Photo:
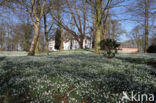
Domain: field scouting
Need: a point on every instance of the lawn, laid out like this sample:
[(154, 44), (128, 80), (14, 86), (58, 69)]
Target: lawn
[(74, 77)]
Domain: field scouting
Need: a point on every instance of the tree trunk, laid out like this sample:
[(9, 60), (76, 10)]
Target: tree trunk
[(1, 49), (47, 50), (37, 48), (71, 42), (97, 44), (2, 41), (46, 34), (98, 26), (81, 44), (35, 39), (93, 39), (113, 30), (94, 27), (146, 24), (61, 44), (26, 43), (94, 33), (104, 31), (60, 27), (81, 41)]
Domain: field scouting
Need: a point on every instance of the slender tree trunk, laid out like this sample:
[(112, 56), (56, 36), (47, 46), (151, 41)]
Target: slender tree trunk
[(35, 40), (61, 44), (71, 42), (81, 44), (2, 45), (81, 41), (60, 27), (26, 43), (94, 27), (106, 24), (47, 45), (46, 34), (113, 34), (146, 24), (93, 39), (104, 31), (138, 45), (37, 48), (93, 35)]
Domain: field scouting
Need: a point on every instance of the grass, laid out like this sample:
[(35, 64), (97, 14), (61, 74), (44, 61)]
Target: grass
[(12, 53), (77, 76)]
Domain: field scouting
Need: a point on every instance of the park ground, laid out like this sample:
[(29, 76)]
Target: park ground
[(77, 76)]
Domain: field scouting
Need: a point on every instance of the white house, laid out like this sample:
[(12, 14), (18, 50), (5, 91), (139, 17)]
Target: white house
[(87, 43), (51, 45)]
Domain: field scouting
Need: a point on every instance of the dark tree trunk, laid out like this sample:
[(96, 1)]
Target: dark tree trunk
[(81, 41), (61, 44), (146, 24), (81, 45), (46, 34), (93, 38)]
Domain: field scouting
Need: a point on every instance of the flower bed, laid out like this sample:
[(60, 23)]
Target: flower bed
[(75, 78)]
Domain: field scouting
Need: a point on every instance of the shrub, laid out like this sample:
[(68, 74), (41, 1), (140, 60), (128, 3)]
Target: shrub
[(110, 46), (151, 49)]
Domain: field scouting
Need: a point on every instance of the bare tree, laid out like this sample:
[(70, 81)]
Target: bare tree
[(24, 28), (100, 9), (25, 32), (136, 36), (115, 30), (142, 11), (35, 8), (79, 16), (58, 11)]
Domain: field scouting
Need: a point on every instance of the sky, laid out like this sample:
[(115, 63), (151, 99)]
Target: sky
[(122, 15), (128, 25), (120, 12)]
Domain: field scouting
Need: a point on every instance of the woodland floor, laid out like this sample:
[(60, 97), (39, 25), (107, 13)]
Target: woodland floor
[(77, 76)]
